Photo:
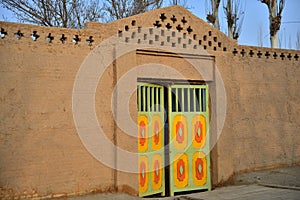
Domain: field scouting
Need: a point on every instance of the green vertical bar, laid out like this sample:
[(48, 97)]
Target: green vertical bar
[(152, 99), (194, 92), (144, 98), (159, 96), (200, 99), (148, 95), (208, 140), (207, 99), (157, 107), (149, 98), (182, 100), (162, 99), (139, 98), (189, 99), (171, 176), (160, 89), (176, 99)]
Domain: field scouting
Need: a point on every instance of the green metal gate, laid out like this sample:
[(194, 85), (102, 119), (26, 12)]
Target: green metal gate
[(188, 137), (151, 139)]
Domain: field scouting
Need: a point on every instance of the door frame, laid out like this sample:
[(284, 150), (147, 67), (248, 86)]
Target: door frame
[(167, 83)]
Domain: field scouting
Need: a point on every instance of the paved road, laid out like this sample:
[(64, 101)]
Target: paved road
[(289, 176), (272, 184), (105, 197), (253, 192)]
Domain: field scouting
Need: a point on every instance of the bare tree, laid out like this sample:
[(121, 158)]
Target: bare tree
[(141, 6), (60, 13), (212, 10), (178, 3), (275, 12), (280, 38), (260, 36), (298, 41), (4, 18), (290, 42), (118, 9), (234, 14)]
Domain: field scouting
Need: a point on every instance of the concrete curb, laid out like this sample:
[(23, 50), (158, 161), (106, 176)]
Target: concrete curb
[(280, 186)]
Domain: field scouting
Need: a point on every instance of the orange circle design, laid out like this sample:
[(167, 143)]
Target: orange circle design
[(199, 131), (199, 169), (181, 170), (157, 132), (179, 132), (142, 133), (157, 172), (143, 174)]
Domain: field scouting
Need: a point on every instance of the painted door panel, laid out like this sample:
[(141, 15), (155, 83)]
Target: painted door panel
[(189, 141), (151, 139)]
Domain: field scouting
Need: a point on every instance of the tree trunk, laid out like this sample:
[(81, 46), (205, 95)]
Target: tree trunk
[(229, 21), (298, 41), (272, 19), (215, 9), (274, 40), (273, 31)]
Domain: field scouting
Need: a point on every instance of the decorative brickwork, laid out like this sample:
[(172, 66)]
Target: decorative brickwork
[(41, 154)]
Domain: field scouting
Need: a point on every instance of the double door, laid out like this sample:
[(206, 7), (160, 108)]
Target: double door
[(173, 138)]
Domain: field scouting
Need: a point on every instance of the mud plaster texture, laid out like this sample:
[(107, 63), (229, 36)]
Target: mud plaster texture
[(41, 154)]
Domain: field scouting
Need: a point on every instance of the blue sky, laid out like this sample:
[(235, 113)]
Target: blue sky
[(256, 16)]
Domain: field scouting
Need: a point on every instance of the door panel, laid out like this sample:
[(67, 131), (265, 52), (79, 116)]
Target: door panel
[(189, 141), (151, 139)]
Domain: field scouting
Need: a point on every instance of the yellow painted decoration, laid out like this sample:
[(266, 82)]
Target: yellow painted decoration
[(157, 132), (179, 132), (198, 131), (157, 172), (143, 173), (199, 169), (142, 133), (181, 170)]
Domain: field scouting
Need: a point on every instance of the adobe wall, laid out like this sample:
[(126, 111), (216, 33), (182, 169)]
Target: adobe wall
[(41, 153), (262, 107)]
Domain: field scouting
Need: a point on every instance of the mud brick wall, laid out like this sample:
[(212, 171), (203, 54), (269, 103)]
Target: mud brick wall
[(41, 154)]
